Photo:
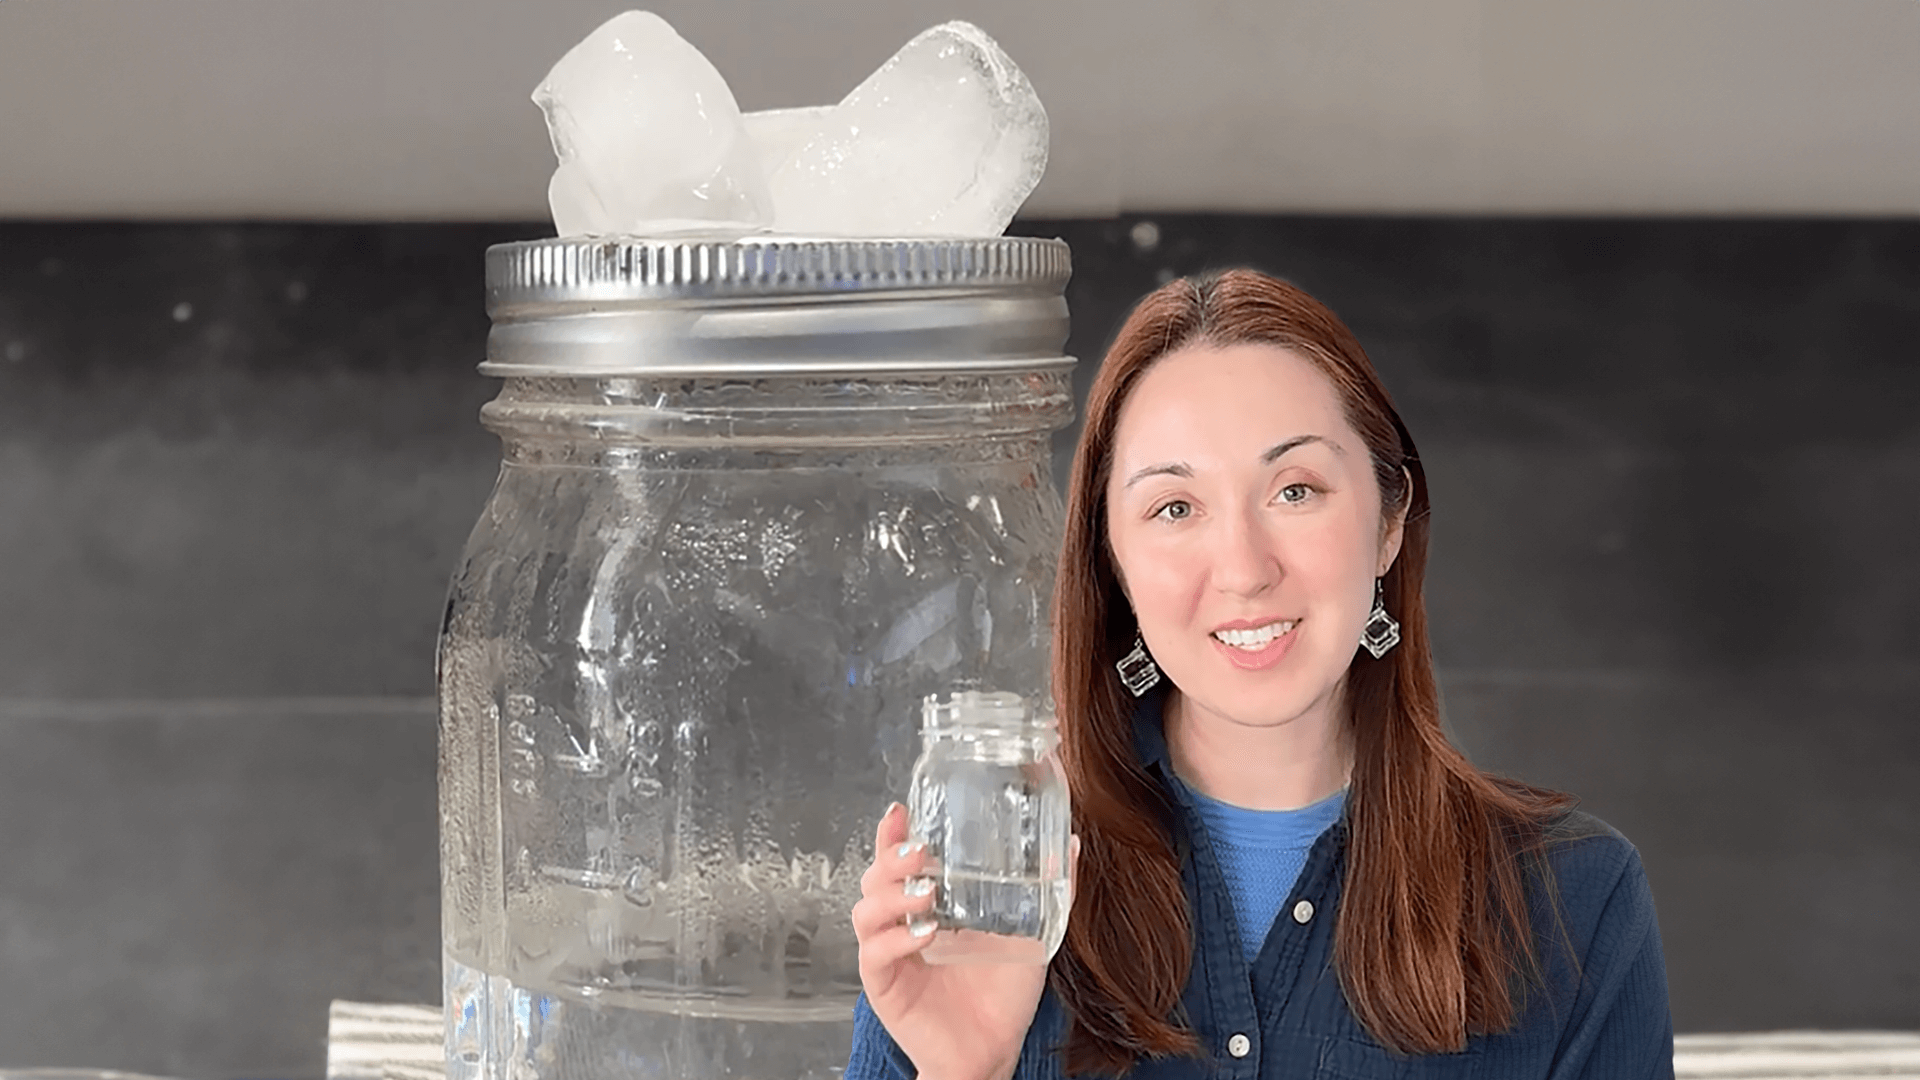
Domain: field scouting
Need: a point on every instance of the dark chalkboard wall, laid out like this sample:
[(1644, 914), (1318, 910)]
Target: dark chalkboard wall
[(1676, 479)]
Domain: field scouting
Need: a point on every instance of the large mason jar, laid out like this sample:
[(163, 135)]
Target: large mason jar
[(758, 499)]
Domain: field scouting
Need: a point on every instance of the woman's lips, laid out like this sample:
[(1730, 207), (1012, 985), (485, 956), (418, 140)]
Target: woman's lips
[(1257, 659)]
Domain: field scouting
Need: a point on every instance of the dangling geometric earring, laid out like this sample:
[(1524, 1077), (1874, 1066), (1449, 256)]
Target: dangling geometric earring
[(1138, 672), (1381, 632)]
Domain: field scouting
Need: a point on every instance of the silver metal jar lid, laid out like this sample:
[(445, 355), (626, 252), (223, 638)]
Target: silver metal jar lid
[(596, 306)]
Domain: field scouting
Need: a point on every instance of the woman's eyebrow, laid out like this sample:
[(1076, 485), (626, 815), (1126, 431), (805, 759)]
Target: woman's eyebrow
[(1169, 468), (1273, 454), (1278, 451)]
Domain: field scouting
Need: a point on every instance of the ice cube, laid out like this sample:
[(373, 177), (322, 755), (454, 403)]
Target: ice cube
[(778, 134), (576, 209), (947, 138), (645, 128)]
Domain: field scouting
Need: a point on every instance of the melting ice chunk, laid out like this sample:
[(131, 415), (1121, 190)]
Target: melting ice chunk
[(947, 138), (778, 134), (649, 138), (576, 208)]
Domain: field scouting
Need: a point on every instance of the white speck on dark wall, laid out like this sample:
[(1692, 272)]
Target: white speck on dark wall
[(182, 311)]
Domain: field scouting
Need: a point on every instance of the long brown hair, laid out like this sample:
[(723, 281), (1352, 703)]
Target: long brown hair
[(1432, 941)]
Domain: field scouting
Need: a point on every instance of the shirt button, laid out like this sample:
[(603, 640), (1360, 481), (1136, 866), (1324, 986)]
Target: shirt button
[(1302, 912), (1239, 1045)]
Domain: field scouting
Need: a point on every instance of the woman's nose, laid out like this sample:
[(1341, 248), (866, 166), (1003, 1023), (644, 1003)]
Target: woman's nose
[(1246, 560)]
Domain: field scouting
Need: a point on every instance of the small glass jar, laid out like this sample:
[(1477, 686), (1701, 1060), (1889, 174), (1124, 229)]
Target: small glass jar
[(989, 800)]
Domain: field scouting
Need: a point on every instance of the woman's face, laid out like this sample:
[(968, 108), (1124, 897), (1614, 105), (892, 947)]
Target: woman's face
[(1246, 527)]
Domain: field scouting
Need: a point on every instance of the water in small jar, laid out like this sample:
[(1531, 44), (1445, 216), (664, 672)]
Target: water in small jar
[(990, 801)]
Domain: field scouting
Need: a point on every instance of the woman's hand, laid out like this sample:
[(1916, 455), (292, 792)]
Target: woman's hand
[(958, 1022)]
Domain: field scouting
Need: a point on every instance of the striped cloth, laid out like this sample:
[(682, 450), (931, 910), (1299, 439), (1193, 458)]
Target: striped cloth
[(404, 1042), (385, 1042), (1797, 1055)]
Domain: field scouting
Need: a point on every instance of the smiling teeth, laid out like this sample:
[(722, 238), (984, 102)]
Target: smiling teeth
[(1257, 638)]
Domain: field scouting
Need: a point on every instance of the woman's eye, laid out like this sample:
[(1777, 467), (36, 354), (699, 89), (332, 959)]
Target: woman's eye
[(1176, 510), (1295, 494)]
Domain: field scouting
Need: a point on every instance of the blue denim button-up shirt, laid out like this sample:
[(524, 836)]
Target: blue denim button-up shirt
[(1285, 1016)]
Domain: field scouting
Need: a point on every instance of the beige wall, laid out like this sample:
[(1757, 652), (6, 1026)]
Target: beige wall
[(417, 109)]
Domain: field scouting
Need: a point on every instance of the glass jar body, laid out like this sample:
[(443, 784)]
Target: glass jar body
[(990, 802), (680, 675)]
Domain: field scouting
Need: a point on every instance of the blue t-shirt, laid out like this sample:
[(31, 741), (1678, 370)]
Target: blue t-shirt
[(1601, 1015), (1261, 854)]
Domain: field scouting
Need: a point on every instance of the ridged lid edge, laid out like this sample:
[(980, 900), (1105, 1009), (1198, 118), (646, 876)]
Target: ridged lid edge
[(623, 267)]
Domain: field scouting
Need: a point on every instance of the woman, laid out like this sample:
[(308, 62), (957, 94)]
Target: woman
[(1285, 870)]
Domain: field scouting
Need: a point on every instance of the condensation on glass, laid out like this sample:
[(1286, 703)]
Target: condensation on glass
[(989, 801), (757, 501)]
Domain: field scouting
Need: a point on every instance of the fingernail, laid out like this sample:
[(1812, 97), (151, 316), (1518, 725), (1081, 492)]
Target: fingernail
[(919, 886), (891, 807), (921, 927), (910, 847)]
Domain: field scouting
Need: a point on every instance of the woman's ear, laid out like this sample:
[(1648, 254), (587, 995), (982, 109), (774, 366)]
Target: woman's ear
[(1393, 531)]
